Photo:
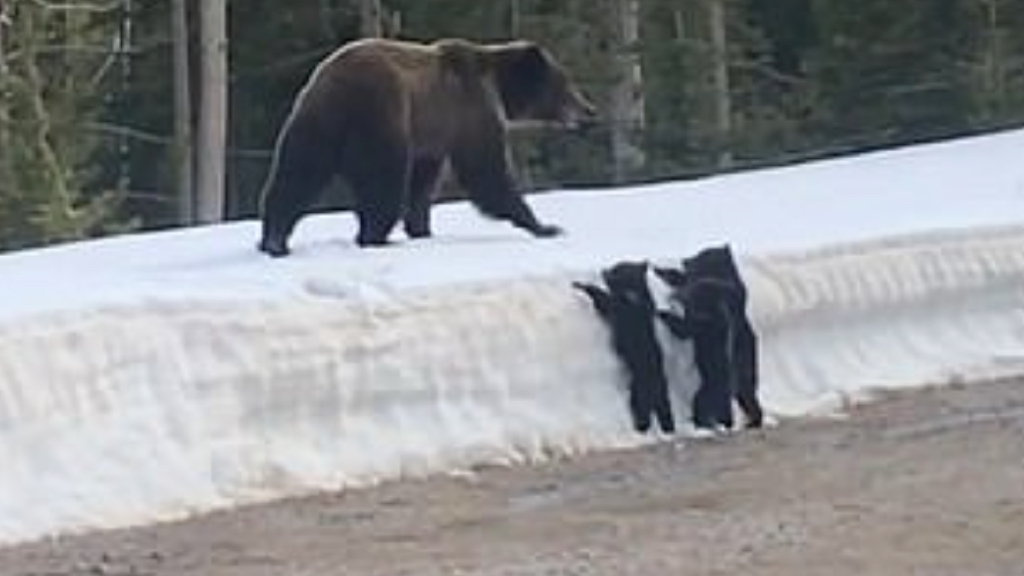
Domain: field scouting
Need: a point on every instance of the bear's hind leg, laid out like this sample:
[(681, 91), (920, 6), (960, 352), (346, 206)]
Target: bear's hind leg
[(422, 183), (639, 406), (296, 179), (663, 408), (375, 225), (712, 405), (751, 406), (747, 375), (702, 411), (378, 172)]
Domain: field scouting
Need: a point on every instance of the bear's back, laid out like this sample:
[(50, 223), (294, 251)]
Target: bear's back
[(372, 64), (412, 80)]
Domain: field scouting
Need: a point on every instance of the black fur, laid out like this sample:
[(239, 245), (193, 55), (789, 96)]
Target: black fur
[(714, 298), (708, 323), (628, 309)]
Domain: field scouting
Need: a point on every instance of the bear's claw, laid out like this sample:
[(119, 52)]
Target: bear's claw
[(547, 231)]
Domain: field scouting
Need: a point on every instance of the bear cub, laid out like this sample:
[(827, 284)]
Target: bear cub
[(714, 301), (628, 309), (387, 115)]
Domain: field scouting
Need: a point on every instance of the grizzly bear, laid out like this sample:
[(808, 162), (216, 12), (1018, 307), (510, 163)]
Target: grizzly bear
[(386, 115), (714, 299), (628, 309)]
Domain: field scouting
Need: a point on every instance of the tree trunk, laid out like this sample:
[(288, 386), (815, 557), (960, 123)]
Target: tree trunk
[(4, 22), (182, 153), (5, 126), (213, 110), (720, 73), (627, 97), (514, 18), (370, 18), (125, 48), (994, 84)]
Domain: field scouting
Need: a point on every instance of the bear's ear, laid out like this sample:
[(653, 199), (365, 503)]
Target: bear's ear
[(523, 62), (532, 63)]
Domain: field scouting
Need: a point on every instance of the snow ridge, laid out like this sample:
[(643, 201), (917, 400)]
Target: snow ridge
[(138, 413)]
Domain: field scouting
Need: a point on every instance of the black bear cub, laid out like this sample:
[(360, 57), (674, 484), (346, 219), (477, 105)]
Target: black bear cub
[(628, 309), (714, 300)]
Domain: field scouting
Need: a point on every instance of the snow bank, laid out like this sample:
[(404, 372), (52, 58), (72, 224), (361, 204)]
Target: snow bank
[(925, 309), (127, 415), (131, 414)]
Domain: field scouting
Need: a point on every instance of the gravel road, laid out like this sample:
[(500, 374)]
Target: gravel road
[(928, 482)]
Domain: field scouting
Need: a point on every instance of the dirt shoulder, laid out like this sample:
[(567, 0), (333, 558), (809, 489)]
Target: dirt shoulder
[(928, 482)]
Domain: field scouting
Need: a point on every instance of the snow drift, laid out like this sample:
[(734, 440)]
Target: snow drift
[(177, 376)]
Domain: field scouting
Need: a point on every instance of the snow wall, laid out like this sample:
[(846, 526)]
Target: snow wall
[(125, 416)]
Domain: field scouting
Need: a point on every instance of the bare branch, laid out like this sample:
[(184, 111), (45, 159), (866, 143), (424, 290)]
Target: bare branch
[(134, 133), (83, 6)]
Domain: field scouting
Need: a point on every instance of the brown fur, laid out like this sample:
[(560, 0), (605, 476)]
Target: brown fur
[(386, 115)]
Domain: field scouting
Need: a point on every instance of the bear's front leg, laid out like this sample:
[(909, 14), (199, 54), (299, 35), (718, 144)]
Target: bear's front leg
[(378, 170), (480, 163), (422, 183)]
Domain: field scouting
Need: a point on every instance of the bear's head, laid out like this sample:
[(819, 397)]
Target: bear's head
[(716, 262), (628, 281), (534, 87), (713, 262)]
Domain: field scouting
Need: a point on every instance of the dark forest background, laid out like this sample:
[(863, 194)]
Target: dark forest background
[(88, 141)]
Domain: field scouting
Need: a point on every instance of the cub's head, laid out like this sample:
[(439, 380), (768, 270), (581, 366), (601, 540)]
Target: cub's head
[(717, 263), (535, 87), (713, 262), (628, 282)]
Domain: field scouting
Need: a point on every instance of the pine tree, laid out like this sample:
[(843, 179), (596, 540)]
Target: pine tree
[(49, 102), (888, 73)]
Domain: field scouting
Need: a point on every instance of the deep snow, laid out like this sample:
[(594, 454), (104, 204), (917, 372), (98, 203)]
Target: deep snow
[(156, 375)]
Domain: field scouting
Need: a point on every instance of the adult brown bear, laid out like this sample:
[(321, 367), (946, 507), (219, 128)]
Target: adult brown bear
[(385, 115)]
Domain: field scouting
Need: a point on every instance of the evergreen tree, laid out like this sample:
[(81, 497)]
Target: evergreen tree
[(86, 116), (995, 69), (50, 100), (887, 73)]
